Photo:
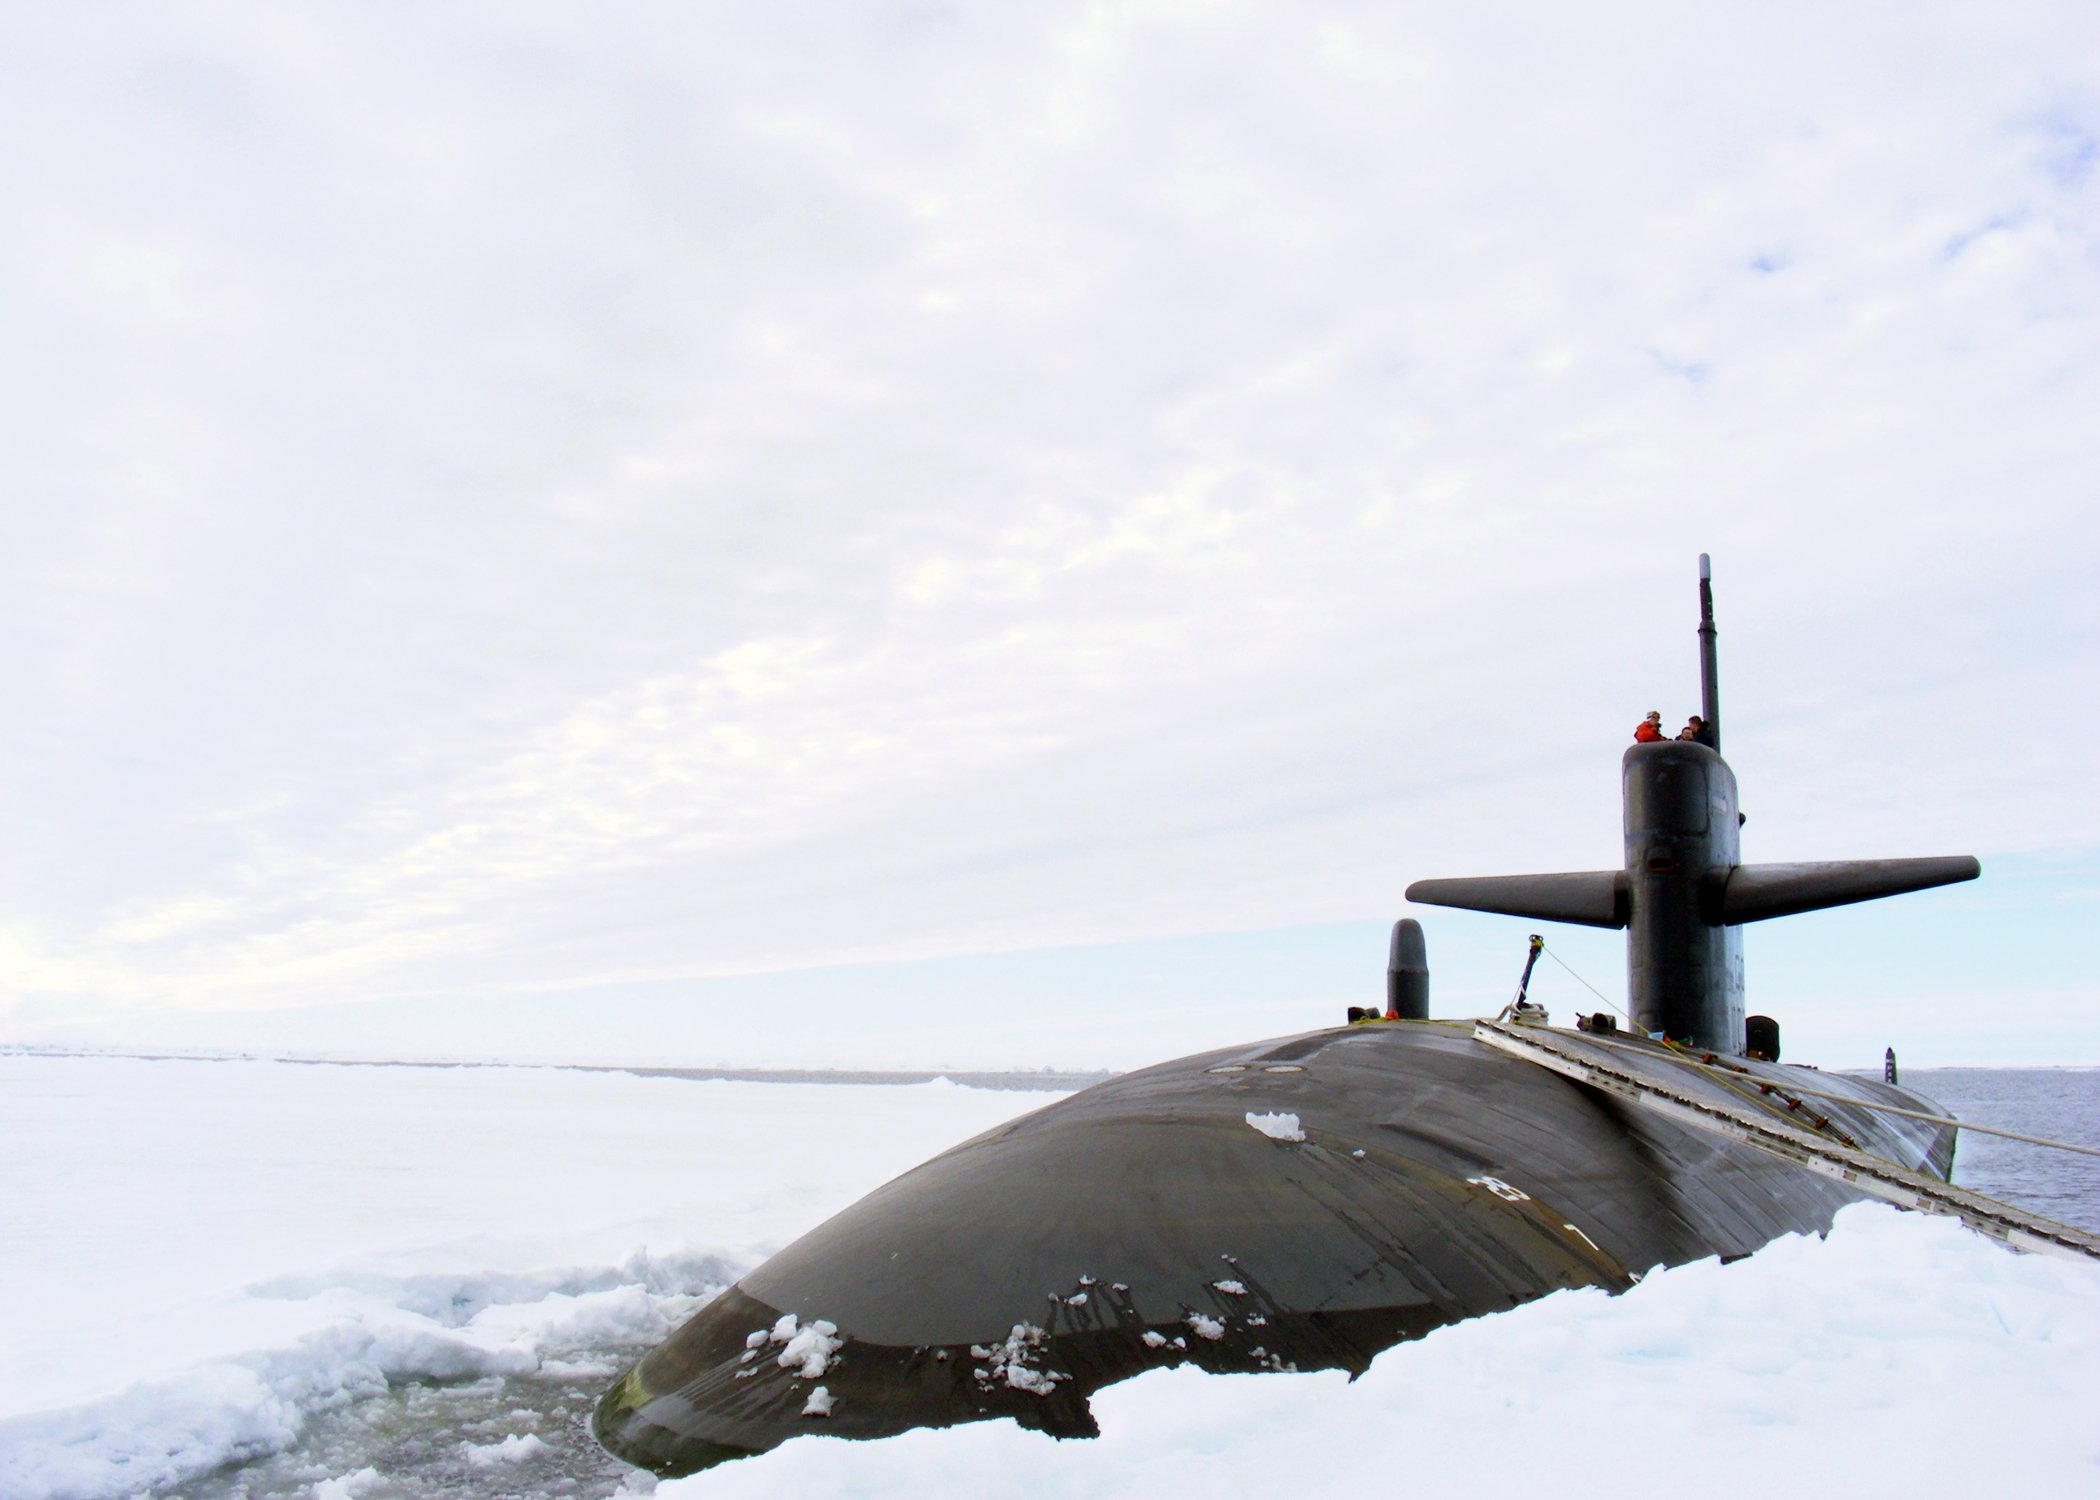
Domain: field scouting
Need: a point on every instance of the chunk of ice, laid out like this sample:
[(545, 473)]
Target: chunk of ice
[(813, 1349), (1014, 1362), (1277, 1126), (347, 1486), (513, 1449), (1021, 1378)]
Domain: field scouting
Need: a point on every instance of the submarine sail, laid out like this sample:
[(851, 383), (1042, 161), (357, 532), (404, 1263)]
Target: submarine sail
[(1307, 1201)]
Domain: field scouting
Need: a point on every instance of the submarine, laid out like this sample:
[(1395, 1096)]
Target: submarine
[(1307, 1201)]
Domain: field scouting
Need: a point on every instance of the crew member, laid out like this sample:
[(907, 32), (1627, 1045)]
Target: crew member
[(1694, 729), (1650, 729)]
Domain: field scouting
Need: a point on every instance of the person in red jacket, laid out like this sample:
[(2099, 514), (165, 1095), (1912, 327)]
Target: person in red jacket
[(1650, 729)]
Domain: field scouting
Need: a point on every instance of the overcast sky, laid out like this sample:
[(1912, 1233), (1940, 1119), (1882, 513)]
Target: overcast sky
[(964, 533)]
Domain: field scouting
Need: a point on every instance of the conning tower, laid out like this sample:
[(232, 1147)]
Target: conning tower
[(1683, 895)]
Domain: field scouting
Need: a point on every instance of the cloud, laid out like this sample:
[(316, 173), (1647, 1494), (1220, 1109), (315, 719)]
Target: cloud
[(509, 498)]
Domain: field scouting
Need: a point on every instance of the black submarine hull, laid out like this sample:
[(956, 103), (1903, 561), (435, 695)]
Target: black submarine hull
[(1301, 1203)]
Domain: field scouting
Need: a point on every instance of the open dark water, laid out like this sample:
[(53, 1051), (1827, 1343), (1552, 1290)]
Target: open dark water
[(418, 1436), (2060, 1103)]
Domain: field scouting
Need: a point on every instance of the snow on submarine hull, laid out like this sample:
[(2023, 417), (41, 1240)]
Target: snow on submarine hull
[(1306, 1202), (1145, 1222)]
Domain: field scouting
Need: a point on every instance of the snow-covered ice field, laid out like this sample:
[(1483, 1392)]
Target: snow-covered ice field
[(200, 1255), (382, 1282)]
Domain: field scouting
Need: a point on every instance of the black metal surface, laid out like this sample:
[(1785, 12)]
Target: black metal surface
[(1407, 973), (1709, 661), (1753, 893), (1684, 974), (1589, 898), (1106, 1234)]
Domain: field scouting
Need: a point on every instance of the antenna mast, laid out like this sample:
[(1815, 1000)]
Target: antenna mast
[(1709, 667)]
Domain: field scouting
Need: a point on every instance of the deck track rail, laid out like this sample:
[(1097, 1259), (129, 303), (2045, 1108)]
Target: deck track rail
[(1709, 1109)]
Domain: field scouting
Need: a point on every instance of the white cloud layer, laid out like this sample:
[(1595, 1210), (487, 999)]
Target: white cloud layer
[(503, 499)]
